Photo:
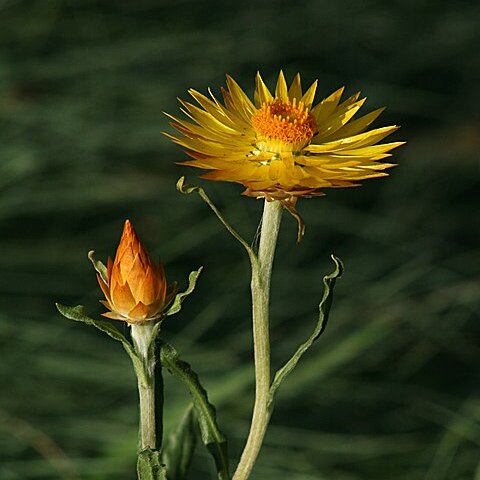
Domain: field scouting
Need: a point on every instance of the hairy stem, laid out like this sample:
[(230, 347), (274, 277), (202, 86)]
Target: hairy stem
[(142, 336), (260, 286)]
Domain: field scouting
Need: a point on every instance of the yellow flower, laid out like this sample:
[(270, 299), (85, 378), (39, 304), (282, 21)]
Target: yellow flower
[(281, 146), (136, 290)]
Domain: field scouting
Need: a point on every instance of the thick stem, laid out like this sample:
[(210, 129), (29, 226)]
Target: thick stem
[(260, 286), (142, 336), (148, 438)]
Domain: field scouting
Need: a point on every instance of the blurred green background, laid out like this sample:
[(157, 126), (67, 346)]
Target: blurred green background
[(391, 392)]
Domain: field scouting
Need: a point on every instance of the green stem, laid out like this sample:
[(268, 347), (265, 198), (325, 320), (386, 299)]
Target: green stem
[(159, 398), (260, 286), (142, 335)]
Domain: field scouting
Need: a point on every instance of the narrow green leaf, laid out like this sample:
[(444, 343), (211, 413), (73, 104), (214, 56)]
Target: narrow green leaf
[(211, 435), (179, 447), (100, 268), (177, 302), (188, 189), (149, 466), (78, 314), (324, 309)]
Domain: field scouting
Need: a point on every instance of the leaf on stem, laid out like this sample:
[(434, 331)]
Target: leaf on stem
[(324, 309), (78, 314), (100, 268), (179, 447), (211, 435), (187, 189), (177, 302), (174, 308), (150, 467)]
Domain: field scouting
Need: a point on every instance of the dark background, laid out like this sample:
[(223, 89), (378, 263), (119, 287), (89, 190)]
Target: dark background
[(391, 392)]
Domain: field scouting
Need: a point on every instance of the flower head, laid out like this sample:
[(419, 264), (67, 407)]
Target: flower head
[(281, 146), (135, 288)]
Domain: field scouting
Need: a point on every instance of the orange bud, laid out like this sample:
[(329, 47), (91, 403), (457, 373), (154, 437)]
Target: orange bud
[(136, 291)]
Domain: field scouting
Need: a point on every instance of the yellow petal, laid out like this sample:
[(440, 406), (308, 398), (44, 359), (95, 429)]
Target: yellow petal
[(373, 149), (275, 169), (281, 90), (295, 90), (356, 126), (339, 118), (362, 139), (206, 119), (307, 99), (214, 108), (240, 99), (350, 100), (327, 106), (262, 93)]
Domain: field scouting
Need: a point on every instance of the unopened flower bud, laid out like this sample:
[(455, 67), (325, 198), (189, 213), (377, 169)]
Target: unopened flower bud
[(136, 290)]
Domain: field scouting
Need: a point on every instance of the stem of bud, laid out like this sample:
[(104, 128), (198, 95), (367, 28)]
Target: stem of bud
[(142, 335)]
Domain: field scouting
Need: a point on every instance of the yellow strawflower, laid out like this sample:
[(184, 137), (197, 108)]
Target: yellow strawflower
[(280, 146)]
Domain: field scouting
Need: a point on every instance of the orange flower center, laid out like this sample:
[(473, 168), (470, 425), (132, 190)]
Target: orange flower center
[(283, 126)]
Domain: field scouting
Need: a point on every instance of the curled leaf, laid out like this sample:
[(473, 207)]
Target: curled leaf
[(185, 189), (177, 302), (324, 310)]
